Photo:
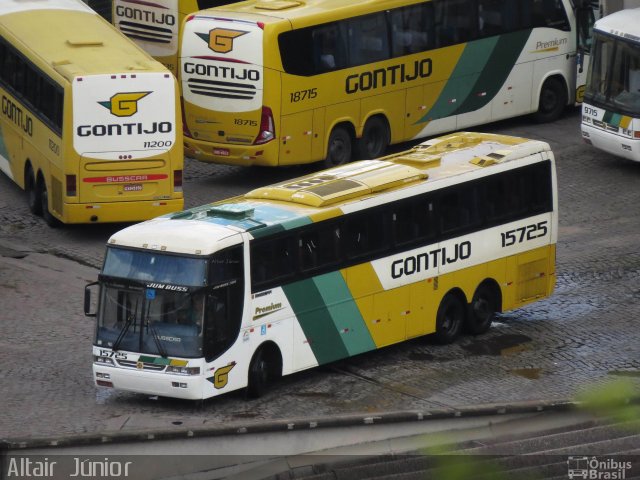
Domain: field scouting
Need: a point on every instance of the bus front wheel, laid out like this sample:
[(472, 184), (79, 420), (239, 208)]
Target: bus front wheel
[(553, 99), (258, 375), (449, 319), (339, 148), (33, 193), (375, 138)]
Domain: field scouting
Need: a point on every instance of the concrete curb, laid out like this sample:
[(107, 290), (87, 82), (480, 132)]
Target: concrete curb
[(285, 425)]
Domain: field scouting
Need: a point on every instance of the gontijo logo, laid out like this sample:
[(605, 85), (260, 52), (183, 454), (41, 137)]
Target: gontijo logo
[(220, 40), (124, 104)]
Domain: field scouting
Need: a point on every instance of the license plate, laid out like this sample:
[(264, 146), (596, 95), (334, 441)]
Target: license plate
[(133, 187), (223, 152)]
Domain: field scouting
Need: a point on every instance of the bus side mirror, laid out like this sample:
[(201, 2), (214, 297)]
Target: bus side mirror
[(87, 300)]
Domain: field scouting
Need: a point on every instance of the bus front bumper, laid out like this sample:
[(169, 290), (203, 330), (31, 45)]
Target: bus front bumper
[(119, 211), (615, 144), (149, 383)]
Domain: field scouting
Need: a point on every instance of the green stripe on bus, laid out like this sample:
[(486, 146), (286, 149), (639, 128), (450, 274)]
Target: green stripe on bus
[(345, 313), (481, 71), (504, 51), (315, 321)]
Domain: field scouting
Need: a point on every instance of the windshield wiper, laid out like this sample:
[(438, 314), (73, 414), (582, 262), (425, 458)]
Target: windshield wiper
[(127, 324), (154, 334)]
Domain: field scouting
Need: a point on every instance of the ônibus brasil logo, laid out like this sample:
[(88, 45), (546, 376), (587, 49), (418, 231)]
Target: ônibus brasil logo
[(124, 104), (220, 40)]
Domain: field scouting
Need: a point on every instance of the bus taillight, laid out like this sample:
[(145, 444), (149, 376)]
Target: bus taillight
[(267, 127), (71, 186), (177, 180)]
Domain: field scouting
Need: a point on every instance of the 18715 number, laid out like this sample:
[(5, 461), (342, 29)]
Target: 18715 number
[(303, 95)]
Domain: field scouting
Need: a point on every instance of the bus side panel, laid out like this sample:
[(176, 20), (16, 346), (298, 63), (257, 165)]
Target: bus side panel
[(386, 104), (530, 276), (295, 137)]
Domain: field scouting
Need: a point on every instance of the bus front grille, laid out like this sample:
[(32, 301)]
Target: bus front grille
[(145, 366)]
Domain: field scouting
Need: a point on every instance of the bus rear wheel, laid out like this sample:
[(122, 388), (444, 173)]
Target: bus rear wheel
[(50, 220), (553, 99), (339, 148), (33, 193), (375, 139), (482, 309), (449, 319)]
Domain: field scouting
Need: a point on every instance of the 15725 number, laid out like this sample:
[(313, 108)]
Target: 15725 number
[(519, 235)]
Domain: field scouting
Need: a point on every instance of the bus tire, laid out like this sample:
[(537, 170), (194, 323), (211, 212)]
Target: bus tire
[(338, 148), (449, 319), (50, 220), (375, 138), (33, 193), (482, 309), (553, 99), (259, 377)]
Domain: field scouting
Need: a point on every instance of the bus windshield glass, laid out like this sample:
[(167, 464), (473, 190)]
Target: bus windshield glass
[(151, 321), (155, 267), (614, 80)]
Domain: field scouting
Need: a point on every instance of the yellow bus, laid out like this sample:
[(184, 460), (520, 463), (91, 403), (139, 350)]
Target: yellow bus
[(154, 24), (268, 82), (90, 124), (234, 294)]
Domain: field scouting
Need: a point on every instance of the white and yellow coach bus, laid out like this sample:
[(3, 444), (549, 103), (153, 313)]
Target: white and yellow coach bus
[(283, 82), (155, 24), (90, 124), (236, 293)]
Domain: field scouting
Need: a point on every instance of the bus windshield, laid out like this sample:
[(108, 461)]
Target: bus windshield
[(614, 79), (151, 321), (158, 309)]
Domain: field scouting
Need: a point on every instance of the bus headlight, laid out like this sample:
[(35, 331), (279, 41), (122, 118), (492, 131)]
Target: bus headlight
[(103, 360), (183, 370)]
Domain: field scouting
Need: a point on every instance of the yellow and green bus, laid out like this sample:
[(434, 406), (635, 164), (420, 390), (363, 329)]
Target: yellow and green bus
[(286, 82), (90, 125), (234, 294), (154, 24)]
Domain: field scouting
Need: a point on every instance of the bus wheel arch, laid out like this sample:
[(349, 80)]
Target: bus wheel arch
[(31, 188), (552, 99), (451, 316), (340, 145), (486, 301), (264, 368), (376, 136)]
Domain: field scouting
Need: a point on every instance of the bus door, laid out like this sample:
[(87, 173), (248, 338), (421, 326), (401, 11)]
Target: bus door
[(123, 129)]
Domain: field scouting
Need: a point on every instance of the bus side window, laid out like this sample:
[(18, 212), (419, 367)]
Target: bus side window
[(411, 29), (368, 39), (366, 234), (413, 222), (271, 261), (319, 247), (458, 210)]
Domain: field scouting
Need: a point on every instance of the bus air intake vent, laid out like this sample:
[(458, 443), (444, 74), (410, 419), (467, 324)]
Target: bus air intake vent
[(213, 88), (146, 33), (230, 210)]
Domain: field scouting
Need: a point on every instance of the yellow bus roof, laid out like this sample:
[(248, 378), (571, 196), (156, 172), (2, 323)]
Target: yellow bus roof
[(73, 41), (306, 12), (329, 193)]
